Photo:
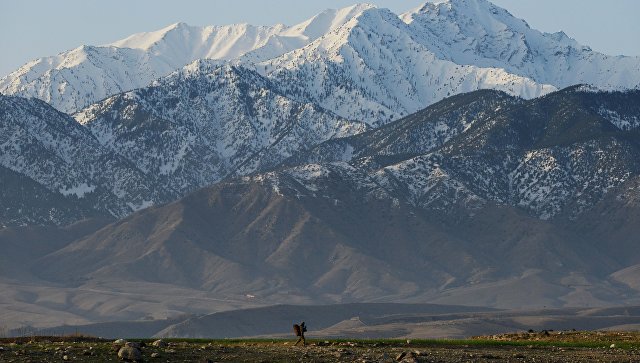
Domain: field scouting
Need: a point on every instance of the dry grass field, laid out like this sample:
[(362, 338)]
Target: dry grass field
[(544, 346)]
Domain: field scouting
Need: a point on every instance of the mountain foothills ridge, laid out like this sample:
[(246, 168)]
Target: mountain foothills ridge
[(447, 155)]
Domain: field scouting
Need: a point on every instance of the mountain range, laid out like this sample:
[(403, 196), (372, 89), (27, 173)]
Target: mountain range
[(396, 64), (448, 155), (467, 200)]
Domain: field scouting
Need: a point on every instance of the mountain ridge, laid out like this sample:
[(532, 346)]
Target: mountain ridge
[(77, 78), (534, 64), (214, 121), (53, 150)]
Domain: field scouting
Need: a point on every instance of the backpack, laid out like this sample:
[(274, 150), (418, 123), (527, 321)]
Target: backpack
[(297, 330)]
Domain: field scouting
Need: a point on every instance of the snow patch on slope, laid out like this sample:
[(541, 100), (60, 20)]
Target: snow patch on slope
[(78, 190)]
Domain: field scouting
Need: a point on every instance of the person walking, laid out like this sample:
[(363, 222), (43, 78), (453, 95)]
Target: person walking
[(300, 330)]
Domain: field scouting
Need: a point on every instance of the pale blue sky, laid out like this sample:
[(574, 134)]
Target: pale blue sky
[(36, 28)]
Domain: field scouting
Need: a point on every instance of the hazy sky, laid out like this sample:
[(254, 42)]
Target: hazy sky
[(35, 28)]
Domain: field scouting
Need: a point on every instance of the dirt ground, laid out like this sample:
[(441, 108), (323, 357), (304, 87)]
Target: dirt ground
[(522, 347)]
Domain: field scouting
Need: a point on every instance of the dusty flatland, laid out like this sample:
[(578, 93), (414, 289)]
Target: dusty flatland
[(566, 346)]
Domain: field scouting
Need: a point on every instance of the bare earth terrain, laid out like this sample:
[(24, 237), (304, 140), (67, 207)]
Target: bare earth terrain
[(544, 346)]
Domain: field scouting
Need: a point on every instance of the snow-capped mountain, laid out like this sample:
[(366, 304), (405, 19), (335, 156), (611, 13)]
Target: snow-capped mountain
[(77, 78), (375, 61), (209, 121), (476, 32), (391, 65), (555, 157), (61, 159), (180, 43)]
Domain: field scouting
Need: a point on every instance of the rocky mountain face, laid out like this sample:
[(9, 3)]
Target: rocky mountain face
[(392, 65), (61, 171), (554, 156), (25, 202), (207, 122)]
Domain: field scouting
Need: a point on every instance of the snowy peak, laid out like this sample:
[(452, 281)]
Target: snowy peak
[(181, 40), (145, 40), (363, 20), (236, 40), (476, 32), (74, 79), (470, 28), (563, 39), (328, 20), (377, 62), (484, 12)]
